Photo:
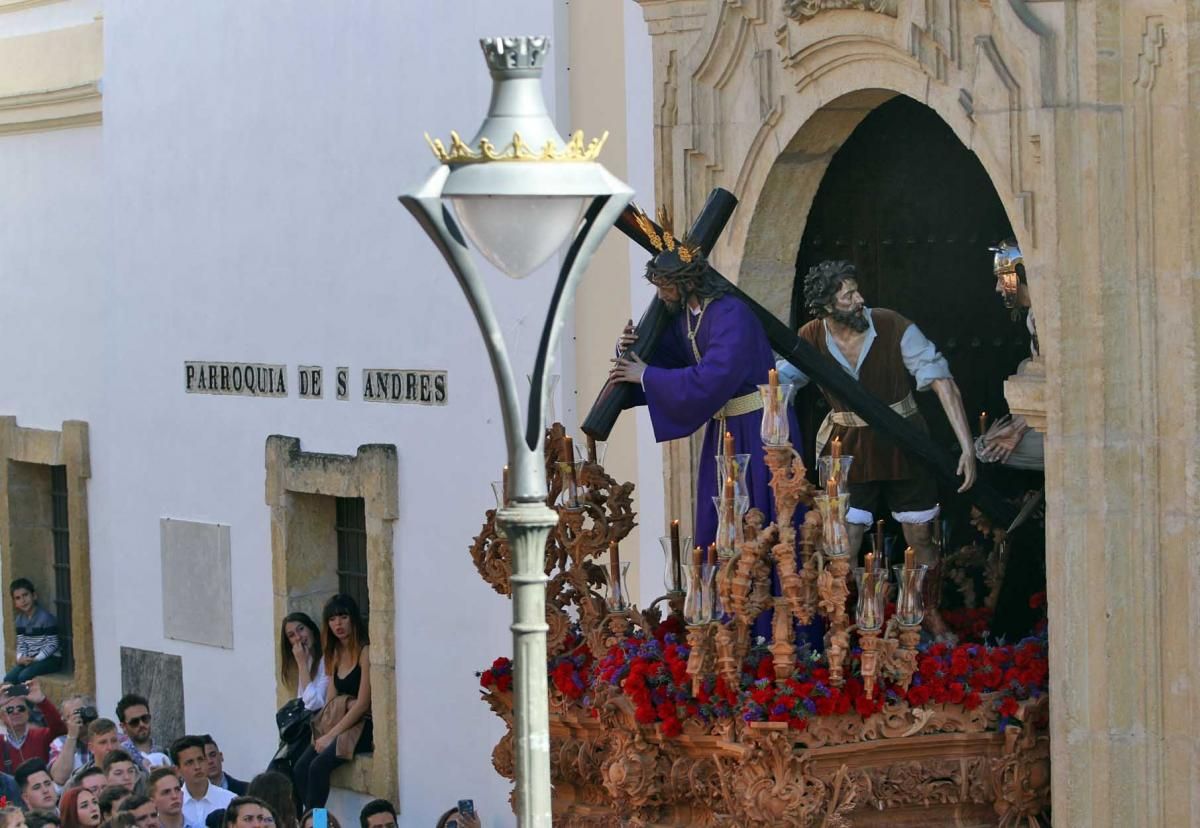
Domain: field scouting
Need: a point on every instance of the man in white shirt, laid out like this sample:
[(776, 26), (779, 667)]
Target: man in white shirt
[(200, 796)]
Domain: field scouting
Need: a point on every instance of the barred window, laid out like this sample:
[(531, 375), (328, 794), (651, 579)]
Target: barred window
[(351, 526), (60, 528)]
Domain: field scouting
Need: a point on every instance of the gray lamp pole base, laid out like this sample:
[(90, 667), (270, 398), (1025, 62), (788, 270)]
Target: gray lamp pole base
[(527, 526)]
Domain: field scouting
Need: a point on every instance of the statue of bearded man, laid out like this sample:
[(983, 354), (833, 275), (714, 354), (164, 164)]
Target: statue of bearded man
[(889, 356), (704, 373)]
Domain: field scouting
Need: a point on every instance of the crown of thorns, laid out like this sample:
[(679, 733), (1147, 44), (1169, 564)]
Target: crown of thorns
[(666, 243)]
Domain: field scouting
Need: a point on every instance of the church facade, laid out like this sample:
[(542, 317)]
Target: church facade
[(1083, 116)]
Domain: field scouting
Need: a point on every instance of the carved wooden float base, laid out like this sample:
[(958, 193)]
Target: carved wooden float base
[(612, 772)]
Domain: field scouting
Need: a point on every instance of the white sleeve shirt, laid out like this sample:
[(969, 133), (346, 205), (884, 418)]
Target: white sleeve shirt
[(920, 357), (195, 811), (313, 693)]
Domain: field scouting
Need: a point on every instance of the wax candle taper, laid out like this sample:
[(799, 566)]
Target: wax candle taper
[(504, 483), (591, 449), (831, 488), (909, 558), (677, 574), (728, 444), (698, 556), (712, 554), (835, 448), (982, 422), (568, 449), (879, 541), (614, 567)]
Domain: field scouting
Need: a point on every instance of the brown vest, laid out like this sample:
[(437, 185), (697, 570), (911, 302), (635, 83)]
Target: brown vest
[(884, 376)]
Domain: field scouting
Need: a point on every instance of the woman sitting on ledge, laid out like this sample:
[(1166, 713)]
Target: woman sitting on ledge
[(303, 665), (343, 727)]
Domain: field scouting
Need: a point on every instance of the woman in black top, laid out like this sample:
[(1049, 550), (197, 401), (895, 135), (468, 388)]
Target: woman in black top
[(343, 727)]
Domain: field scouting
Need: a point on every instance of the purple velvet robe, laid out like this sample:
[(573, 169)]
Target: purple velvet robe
[(683, 395)]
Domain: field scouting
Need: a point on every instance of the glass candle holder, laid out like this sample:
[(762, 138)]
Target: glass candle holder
[(618, 588), (716, 607), (581, 450), (697, 604), (730, 532), (872, 597), (501, 499), (910, 601), (833, 525), (775, 429), (734, 466), (569, 496), (838, 467), (675, 572)]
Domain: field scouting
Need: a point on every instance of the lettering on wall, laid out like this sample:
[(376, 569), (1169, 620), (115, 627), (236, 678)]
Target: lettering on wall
[(243, 379), (260, 379), (404, 386), (309, 382)]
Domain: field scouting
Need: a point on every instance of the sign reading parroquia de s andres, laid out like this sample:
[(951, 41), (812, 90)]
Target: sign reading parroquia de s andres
[(264, 379)]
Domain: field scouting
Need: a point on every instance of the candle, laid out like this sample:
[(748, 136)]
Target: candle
[(909, 556), (879, 550), (729, 444), (614, 567), (870, 563), (675, 571), (504, 483), (591, 449), (835, 450), (568, 449), (773, 378), (982, 422), (831, 489), (868, 583), (697, 557), (712, 554)]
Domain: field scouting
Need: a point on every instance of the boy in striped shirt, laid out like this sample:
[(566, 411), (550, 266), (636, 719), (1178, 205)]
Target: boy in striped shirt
[(37, 634)]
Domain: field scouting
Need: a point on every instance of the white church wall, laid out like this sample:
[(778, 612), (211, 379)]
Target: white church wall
[(239, 204)]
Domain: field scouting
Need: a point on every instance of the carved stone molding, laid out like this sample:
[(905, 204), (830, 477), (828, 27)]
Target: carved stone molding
[(804, 10)]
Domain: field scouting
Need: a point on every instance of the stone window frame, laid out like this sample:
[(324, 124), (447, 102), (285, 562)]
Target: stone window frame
[(372, 474), (67, 447)]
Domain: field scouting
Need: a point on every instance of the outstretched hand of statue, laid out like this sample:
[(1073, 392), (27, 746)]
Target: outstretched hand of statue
[(627, 369), (966, 469)]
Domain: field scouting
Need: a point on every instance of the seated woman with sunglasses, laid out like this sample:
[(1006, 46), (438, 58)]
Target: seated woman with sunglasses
[(343, 727), (303, 664)]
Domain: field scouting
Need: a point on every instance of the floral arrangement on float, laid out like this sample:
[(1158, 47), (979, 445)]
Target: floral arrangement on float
[(680, 714)]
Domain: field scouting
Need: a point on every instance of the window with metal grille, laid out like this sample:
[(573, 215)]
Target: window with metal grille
[(351, 526), (62, 562)]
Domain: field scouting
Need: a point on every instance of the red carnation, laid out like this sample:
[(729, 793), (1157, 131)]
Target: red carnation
[(672, 727), (1008, 707), (972, 701), (864, 706), (918, 695), (487, 679)]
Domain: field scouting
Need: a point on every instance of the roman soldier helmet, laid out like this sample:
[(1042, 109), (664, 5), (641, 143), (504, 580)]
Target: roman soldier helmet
[(1008, 265)]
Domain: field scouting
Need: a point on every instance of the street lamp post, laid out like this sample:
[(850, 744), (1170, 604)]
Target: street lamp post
[(520, 192)]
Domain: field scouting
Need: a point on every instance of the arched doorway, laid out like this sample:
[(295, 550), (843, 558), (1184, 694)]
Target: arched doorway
[(915, 211)]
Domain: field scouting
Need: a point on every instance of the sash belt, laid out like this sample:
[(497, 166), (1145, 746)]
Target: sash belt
[(740, 405), (905, 408)]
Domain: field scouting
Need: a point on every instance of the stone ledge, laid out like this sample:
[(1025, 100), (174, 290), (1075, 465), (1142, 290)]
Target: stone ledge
[(1025, 392)]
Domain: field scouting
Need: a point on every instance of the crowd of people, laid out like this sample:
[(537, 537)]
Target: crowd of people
[(68, 766)]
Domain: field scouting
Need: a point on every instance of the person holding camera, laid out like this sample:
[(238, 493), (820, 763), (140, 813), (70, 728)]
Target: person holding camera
[(24, 741), (69, 753)]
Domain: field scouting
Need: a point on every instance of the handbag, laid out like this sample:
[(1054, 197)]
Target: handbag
[(294, 721)]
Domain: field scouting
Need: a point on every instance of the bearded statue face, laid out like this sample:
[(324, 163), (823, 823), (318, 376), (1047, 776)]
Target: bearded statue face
[(848, 306), (669, 292)]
